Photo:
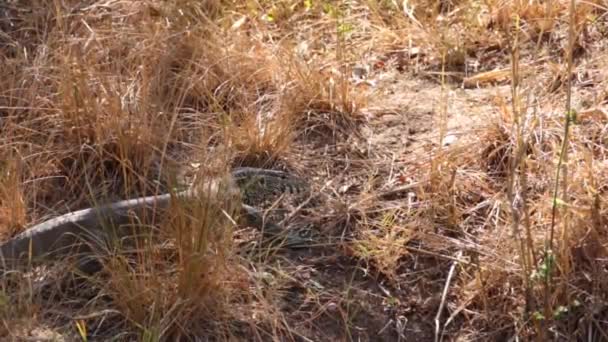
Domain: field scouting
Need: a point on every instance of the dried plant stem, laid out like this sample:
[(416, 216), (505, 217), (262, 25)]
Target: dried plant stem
[(517, 163), (562, 164), (444, 295)]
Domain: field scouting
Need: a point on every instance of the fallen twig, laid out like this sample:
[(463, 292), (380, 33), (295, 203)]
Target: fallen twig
[(444, 295)]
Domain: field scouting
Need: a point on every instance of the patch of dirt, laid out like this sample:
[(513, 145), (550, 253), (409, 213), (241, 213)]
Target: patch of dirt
[(400, 130)]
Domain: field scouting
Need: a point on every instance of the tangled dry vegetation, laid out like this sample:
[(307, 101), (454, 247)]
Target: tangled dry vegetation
[(454, 198)]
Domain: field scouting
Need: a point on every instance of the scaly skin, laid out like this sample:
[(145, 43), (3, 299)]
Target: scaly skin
[(59, 235)]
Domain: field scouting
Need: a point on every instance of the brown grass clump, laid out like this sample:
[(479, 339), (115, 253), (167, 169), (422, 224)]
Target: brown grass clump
[(175, 292)]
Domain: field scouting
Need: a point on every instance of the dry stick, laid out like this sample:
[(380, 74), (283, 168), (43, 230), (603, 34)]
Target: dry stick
[(515, 162), (437, 255), (397, 190), (562, 162), (96, 314), (564, 253), (597, 225), (455, 313), (600, 329), (444, 295)]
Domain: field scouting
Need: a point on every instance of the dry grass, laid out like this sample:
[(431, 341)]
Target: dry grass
[(421, 237)]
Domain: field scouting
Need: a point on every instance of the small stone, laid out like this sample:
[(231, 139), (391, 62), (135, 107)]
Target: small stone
[(332, 307), (449, 140)]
